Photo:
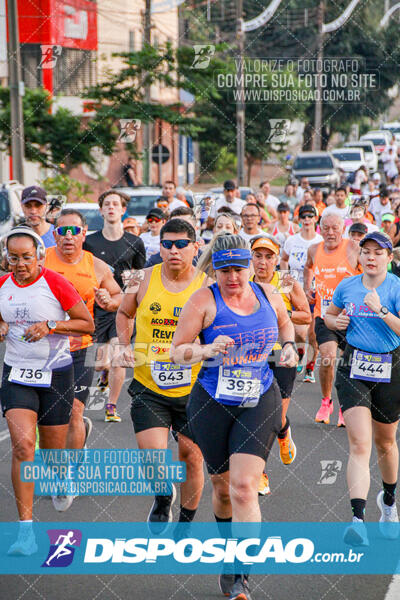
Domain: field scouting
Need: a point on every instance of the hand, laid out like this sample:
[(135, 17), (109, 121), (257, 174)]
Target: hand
[(310, 296), (219, 346), (372, 301), (124, 356), (342, 320), (289, 357), (3, 330), (131, 279), (36, 332), (102, 297)]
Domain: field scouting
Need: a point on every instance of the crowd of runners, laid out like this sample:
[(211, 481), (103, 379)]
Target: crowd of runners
[(218, 308)]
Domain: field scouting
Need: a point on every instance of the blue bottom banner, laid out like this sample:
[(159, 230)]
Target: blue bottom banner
[(200, 548)]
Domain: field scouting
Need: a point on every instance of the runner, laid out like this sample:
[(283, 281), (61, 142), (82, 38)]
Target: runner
[(367, 307), (329, 262), (250, 218), (34, 207), (294, 257), (169, 194), (121, 251), (283, 228), (93, 281), (340, 207), (151, 238), (239, 320), (265, 254), (37, 383), (159, 391), (230, 200)]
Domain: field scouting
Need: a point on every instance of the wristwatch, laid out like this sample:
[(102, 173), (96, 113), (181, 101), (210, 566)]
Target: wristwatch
[(51, 325), (383, 312)]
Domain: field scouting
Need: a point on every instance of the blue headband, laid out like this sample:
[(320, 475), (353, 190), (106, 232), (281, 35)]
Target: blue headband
[(238, 257)]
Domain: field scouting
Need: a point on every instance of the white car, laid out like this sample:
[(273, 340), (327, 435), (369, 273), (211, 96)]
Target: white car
[(380, 139), (394, 129), (10, 205), (371, 158), (142, 199), (349, 159)]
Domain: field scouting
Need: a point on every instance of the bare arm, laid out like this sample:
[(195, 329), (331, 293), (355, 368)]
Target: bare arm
[(301, 315), (284, 264), (336, 318), (108, 296), (309, 272), (289, 356), (80, 322)]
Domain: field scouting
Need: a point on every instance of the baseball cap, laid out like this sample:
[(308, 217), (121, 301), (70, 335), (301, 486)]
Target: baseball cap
[(264, 241), (383, 192), (156, 212), (358, 228), (283, 207), (129, 222), (380, 238), (308, 209), (229, 184), (376, 176), (33, 192)]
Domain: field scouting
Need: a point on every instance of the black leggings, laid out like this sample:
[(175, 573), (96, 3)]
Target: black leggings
[(221, 430)]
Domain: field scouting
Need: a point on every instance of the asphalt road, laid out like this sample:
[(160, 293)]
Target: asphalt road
[(298, 494)]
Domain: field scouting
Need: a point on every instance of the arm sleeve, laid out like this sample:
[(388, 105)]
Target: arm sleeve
[(62, 289), (337, 298)]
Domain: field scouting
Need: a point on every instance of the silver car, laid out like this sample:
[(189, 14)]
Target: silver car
[(320, 168)]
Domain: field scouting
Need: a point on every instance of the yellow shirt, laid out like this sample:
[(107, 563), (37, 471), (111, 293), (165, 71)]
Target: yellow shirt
[(156, 320), (275, 282)]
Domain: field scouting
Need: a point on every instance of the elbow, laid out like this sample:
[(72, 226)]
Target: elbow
[(90, 327)]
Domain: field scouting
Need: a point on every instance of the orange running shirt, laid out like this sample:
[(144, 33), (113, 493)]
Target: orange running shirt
[(329, 270), (83, 277)]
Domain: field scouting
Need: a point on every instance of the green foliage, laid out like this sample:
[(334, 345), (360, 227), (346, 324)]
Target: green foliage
[(67, 186)]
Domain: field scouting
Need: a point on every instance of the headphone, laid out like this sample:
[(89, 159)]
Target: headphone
[(40, 247)]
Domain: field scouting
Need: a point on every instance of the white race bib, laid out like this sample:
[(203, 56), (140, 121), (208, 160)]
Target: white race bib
[(325, 302), (168, 375), (371, 367), (240, 385), (31, 377)]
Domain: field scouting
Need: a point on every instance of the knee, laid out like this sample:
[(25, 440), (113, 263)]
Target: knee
[(24, 449), (221, 492), (243, 491), (360, 447), (385, 445), (193, 459), (76, 414)]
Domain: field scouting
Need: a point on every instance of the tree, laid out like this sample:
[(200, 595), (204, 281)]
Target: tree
[(57, 140)]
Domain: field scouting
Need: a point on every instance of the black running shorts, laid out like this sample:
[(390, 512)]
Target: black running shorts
[(53, 404), (324, 334), (382, 399), (83, 361), (221, 430)]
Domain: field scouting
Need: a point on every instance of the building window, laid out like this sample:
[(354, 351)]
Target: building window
[(131, 41)]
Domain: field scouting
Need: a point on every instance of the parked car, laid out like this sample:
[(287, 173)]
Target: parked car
[(349, 159), (380, 139), (10, 206), (320, 168), (244, 191), (142, 199), (371, 157), (394, 129)]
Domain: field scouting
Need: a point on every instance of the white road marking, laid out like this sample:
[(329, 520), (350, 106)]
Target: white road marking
[(393, 592), (4, 435)]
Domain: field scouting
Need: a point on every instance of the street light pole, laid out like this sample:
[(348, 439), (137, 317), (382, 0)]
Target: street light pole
[(240, 105), (16, 92), (318, 100), (147, 125)]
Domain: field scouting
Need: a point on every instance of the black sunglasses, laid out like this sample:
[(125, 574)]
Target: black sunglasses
[(167, 244)]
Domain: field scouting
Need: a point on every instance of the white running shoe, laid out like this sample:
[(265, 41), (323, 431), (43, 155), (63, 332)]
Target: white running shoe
[(388, 523), (25, 545), (62, 503), (356, 533)]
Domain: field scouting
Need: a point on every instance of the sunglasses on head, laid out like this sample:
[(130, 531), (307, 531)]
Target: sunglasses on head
[(153, 220), (167, 244), (73, 229)]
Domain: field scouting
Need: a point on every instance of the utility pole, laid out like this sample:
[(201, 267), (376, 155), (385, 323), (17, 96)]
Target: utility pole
[(16, 93), (318, 101), (147, 126), (240, 105)]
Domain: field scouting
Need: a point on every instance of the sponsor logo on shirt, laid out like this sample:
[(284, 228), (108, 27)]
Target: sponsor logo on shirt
[(155, 307)]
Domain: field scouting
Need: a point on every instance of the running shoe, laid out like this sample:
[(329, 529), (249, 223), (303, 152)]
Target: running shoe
[(299, 367), (25, 545), (325, 410), (102, 381), (263, 488), (161, 512), (240, 590), (62, 503), (341, 422), (356, 533), (287, 448), (389, 521), (309, 377), (226, 582), (111, 415), (88, 429)]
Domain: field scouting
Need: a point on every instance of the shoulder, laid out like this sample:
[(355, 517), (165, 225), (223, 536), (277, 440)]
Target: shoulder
[(93, 238), (4, 278)]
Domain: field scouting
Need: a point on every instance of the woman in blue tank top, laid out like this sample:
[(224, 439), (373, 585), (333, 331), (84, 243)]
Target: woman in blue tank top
[(234, 411), (367, 306)]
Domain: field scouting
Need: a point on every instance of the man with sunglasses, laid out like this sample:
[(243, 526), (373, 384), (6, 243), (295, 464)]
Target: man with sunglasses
[(93, 280), (160, 390), (151, 239), (122, 251)]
